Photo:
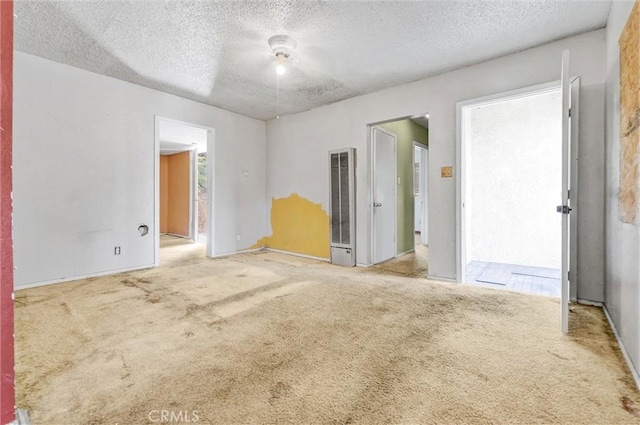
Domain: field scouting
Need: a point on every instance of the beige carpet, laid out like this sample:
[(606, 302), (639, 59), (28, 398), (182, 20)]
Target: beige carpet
[(413, 264), (266, 338)]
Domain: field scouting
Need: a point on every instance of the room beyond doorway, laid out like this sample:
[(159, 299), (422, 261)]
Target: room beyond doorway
[(183, 176), (512, 171)]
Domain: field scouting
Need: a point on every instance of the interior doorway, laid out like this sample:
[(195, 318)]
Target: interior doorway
[(399, 186), (183, 189), (511, 178)]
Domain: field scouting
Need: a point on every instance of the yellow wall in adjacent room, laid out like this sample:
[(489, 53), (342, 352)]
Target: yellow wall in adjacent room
[(299, 226)]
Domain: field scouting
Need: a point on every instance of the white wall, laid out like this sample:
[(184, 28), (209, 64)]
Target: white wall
[(622, 240), (297, 145), (84, 171), (514, 181)]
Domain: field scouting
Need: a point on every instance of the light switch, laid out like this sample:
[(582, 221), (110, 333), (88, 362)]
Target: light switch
[(398, 181), (446, 172)]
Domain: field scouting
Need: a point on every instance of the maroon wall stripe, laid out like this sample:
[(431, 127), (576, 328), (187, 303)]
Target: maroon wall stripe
[(7, 377)]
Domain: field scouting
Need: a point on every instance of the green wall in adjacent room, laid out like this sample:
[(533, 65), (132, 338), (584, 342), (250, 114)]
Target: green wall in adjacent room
[(406, 132)]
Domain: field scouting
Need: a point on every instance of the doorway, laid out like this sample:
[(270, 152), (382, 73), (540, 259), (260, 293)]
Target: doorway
[(511, 178), (399, 195), (183, 190)]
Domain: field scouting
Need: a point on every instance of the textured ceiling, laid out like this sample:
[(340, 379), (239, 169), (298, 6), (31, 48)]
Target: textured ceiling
[(217, 52)]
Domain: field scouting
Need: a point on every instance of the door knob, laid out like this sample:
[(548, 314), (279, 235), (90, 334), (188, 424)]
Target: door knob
[(377, 204)]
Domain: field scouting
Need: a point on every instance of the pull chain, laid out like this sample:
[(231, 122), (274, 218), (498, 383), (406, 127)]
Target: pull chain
[(277, 96)]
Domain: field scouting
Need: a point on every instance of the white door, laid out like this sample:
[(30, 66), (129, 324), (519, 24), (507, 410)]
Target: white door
[(384, 195), (565, 209), (193, 218)]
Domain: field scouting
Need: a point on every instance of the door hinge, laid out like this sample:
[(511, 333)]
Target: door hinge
[(569, 194), (569, 112)]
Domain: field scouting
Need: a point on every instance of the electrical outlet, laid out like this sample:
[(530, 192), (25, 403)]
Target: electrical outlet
[(446, 172), (116, 250), (238, 237)]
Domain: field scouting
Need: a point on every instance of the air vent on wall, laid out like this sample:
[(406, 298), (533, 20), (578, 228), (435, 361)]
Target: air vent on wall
[(342, 206)]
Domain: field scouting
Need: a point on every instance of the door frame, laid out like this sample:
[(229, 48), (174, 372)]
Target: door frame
[(372, 159), (460, 170), (193, 194), (210, 251), (424, 189)]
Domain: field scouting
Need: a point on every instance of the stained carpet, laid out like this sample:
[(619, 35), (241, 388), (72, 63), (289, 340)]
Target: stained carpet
[(270, 338)]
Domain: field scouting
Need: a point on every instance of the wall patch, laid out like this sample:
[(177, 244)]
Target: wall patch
[(299, 226)]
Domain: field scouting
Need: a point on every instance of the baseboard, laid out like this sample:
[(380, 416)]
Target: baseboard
[(589, 302), (22, 418), (242, 251), (295, 254), (178, 236), (632, 368), (86, 276), (404, 253), (441, 278)]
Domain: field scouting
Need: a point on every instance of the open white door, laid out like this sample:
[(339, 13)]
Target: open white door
[(193, 196), (384, 194), (565, 209)]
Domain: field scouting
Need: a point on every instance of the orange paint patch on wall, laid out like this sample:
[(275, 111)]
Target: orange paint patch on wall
[(174, 193), (299, 226), (164, 193)]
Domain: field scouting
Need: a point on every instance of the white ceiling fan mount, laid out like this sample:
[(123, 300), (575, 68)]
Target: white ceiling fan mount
[(282, 45)]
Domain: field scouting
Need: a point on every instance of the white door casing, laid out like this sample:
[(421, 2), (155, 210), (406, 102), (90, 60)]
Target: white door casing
[(193, 197), (565, 209)]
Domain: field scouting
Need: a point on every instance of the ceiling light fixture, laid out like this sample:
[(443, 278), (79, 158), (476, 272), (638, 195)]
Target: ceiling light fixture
[(283, 47), (281, 68)]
